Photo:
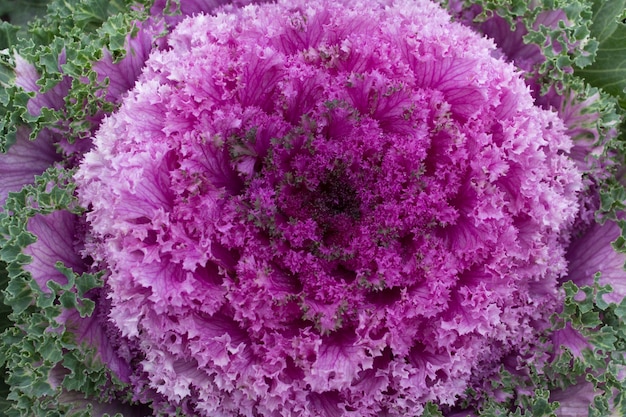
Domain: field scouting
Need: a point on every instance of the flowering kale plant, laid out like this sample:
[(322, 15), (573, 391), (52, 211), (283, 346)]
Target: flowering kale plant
[(313, 208)]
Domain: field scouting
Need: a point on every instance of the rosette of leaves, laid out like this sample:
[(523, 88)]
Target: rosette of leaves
[(232, 254)]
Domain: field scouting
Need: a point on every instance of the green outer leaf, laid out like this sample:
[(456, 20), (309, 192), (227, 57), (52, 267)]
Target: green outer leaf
[(606, 15), (21, 12), (609, 70), (8, 35)]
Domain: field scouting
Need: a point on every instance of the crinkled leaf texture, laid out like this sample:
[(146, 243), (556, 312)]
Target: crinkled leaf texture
[(58, 51), (58, 345), (330, 208)]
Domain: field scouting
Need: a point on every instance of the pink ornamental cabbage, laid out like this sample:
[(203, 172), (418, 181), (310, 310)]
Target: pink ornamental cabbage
[(329, 208)]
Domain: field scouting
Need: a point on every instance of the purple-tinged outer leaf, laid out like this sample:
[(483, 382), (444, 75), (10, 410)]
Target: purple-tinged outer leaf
[(24, 160), (123, 74), (591, 252), (57, 240)]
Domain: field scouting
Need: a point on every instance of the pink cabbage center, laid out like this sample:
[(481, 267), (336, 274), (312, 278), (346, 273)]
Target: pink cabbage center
[(329, 207)]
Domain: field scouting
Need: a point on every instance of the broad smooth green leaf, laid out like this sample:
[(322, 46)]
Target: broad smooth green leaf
[(21, 12), (605, 13), (609, 70), (8, 35)]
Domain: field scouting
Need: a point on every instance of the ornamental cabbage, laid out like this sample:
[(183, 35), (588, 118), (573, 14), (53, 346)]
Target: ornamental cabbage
[(329, 208), (311, 208)]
